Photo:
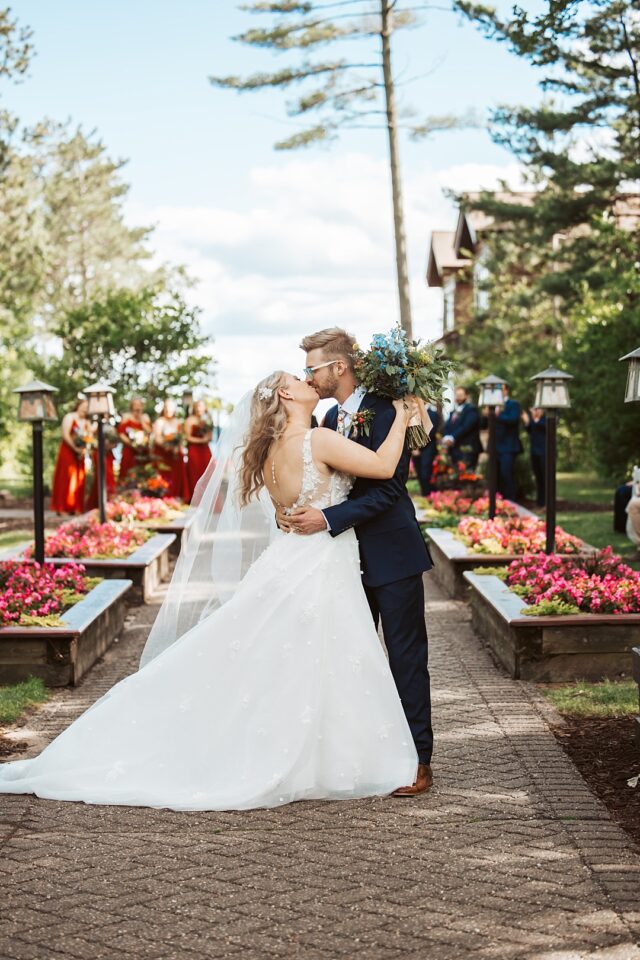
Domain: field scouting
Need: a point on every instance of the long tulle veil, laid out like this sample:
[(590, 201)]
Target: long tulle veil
[(221, 544)]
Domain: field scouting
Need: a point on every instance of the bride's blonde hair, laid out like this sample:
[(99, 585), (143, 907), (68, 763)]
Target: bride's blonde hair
[(268, 422)]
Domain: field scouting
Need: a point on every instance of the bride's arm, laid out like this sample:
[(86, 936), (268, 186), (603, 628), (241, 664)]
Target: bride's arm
[(350, 457)]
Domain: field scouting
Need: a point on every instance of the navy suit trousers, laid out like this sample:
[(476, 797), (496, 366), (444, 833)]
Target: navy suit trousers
[(506, 475), (400, 607)]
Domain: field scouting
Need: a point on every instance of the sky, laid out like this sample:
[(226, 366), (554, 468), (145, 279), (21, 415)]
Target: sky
[(280, 243)]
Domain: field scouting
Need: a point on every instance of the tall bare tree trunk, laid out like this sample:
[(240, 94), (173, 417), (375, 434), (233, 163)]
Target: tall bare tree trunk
[(394, 158)]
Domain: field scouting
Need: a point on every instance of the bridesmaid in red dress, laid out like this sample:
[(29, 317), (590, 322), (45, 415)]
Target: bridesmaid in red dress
[(198, 432), (167, 450), (69, 476), (135, 432)]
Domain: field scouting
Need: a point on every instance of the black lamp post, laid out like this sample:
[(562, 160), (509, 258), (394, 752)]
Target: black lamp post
[(491, 396), (100, 400), (633, 376), (36, 407), (552, 395)]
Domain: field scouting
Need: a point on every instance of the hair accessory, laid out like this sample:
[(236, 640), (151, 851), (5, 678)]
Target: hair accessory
[(265, 393)]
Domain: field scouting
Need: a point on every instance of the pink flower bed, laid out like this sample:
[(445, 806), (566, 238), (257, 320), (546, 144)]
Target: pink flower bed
[(518, 535), (136, 508), (452, 501), (89, 538), (30, 591), (598, 584)]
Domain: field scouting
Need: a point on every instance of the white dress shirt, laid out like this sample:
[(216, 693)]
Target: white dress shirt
[(350, 406)]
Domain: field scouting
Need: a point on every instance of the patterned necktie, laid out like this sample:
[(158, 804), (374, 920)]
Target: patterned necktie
[(341, 418)]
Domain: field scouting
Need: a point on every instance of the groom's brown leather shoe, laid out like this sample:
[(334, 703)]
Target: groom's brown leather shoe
[(423, 783)]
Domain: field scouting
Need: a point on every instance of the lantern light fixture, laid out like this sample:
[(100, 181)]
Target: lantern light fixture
[(552, 389), (633, 377), (100, 400), (491, 391), (36, 403)]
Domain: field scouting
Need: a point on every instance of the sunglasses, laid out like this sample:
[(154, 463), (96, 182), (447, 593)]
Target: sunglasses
[(309, 371)]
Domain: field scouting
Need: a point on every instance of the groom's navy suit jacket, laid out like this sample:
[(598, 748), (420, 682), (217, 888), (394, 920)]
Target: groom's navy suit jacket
[(391, 545)]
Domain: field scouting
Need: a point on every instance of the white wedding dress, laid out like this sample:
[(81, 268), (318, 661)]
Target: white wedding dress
[(284, 693)]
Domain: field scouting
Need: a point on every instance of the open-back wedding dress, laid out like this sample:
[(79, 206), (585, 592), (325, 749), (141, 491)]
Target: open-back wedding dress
[(282, 693)]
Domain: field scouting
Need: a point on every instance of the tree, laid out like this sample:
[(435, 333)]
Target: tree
[(89, 247), (144, 342), (16, 51), (20, 250), (568, 251), (340, 93)]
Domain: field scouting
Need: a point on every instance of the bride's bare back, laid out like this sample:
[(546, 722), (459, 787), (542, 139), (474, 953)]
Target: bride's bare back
[(284, 467)]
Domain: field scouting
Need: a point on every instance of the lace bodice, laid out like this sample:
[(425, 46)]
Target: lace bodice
[(319, 490)]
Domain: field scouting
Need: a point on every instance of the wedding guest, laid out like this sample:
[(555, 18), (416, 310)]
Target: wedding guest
[(69, 476), (633, 522), (508, 444), (198, 431), (423, 459), (535, 423), (168, 455), (621, 499), (461, 432), (135, 431)]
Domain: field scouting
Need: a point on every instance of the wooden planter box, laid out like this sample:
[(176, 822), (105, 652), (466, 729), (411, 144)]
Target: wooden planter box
[(554, 648), (451, 560), (62, 655), (178, 526), (146, 567)]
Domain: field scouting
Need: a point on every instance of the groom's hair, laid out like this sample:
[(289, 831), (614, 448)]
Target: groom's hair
[(335, 343)]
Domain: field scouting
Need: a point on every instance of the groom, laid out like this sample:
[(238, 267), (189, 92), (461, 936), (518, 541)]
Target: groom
[(392, 551)]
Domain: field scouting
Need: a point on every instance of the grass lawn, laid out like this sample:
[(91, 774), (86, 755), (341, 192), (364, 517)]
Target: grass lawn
[(607, 699), (586, 487), (17, 486), (595, 528), (15, 700), (10, 537)]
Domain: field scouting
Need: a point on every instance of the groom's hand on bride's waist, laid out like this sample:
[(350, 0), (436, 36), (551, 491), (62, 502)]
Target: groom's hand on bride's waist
[(307, 520)]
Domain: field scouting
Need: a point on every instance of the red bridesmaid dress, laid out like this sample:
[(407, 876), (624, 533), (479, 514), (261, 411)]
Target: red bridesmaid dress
[(67, 495), (109, 460), (129, 457), (198, 458), (171, 467)]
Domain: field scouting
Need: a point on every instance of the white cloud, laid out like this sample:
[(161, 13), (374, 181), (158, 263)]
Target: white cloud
[(311, 247)]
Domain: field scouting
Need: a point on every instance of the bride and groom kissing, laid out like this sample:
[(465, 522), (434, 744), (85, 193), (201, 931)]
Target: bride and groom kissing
[(280, 690)]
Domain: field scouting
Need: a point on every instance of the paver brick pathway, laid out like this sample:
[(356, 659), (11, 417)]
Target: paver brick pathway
[(509, 857)]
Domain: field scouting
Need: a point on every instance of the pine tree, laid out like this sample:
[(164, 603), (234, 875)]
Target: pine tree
[(340, 93), (564, 263), (89, 247)]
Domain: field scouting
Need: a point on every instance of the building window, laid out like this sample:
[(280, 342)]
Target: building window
[(480, 280), (449, 291)]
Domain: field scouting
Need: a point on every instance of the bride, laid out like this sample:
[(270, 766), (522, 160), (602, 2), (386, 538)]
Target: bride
[(263, 680)]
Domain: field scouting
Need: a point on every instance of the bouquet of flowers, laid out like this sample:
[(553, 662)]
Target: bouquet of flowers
[(204, 426), (145, 478), (395, 367), (139, 439), (82, 439), (172, 442)]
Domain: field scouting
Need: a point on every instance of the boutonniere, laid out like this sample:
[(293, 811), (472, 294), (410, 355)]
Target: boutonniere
[(361, 422)]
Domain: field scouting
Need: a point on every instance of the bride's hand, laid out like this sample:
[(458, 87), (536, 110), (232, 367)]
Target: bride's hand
[(407, 407)]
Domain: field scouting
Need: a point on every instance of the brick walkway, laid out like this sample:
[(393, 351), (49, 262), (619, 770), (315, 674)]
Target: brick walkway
[(509, 857)]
